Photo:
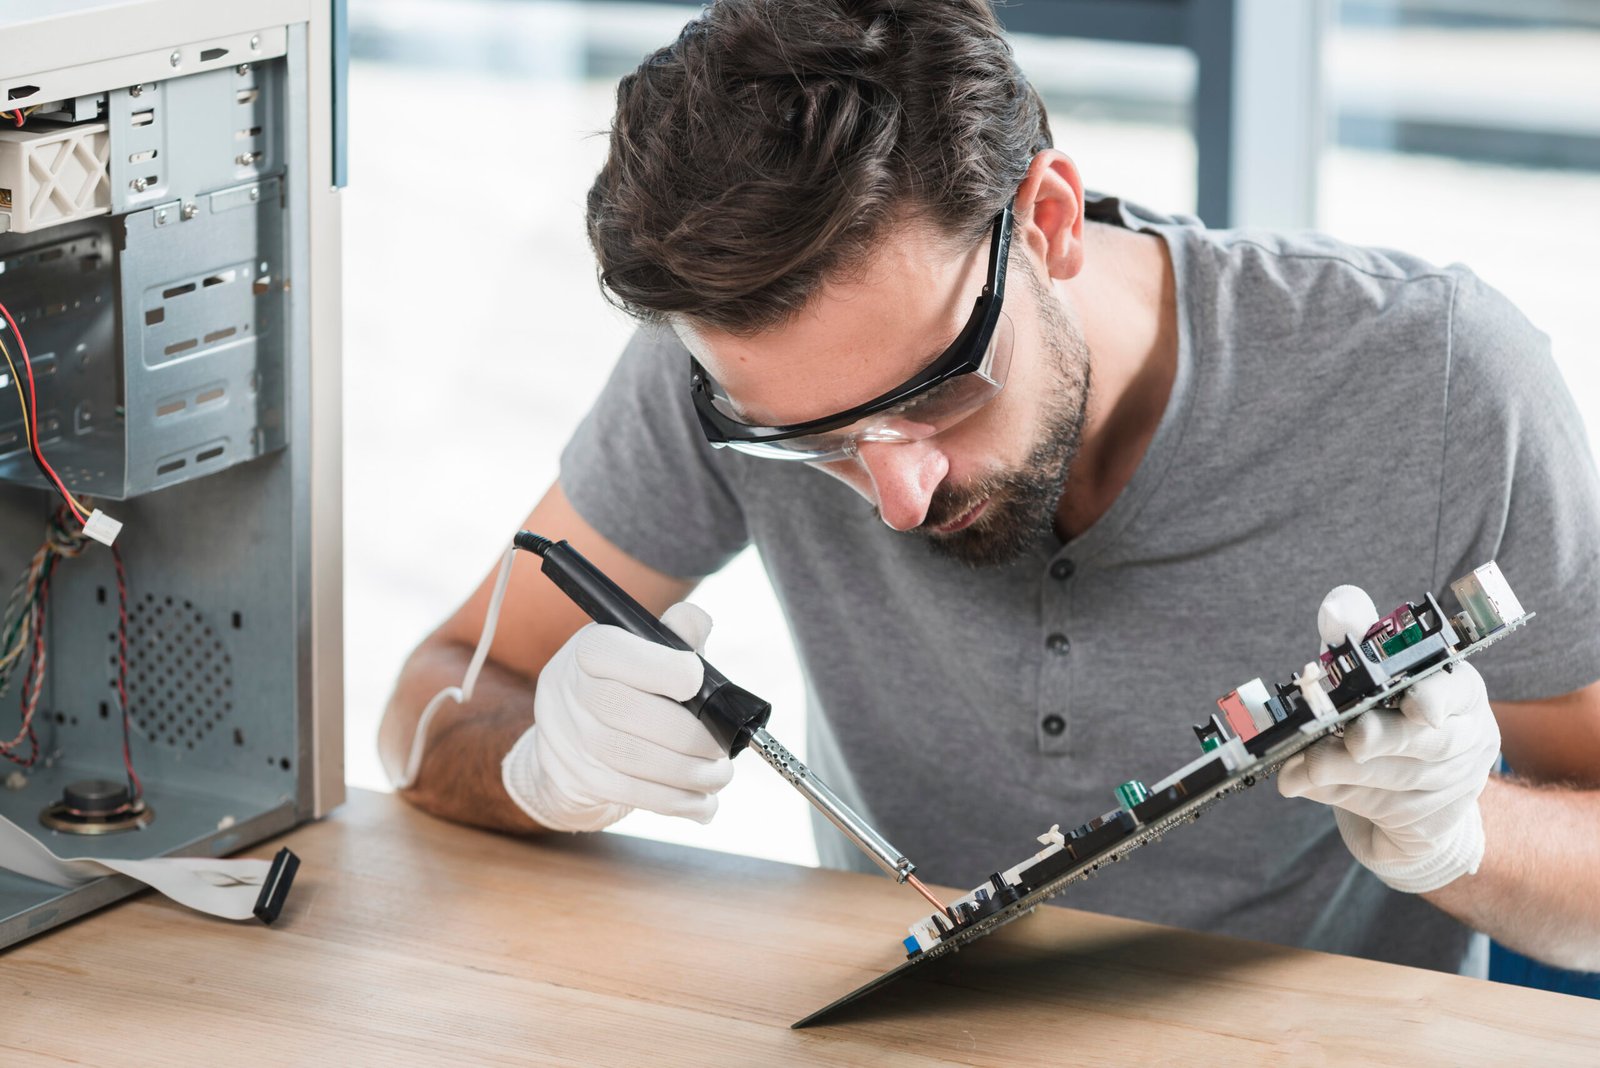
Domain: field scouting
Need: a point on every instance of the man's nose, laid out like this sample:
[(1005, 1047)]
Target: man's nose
[(904, 476)]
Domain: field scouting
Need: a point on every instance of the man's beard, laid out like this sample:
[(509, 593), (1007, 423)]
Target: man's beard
[(1022, 502)]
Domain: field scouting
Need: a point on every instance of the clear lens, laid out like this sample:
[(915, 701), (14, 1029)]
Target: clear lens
[(816, 449), (921, 417)]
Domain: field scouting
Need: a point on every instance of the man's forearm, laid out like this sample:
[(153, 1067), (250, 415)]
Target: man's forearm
[(459, 778), (1536, 890)]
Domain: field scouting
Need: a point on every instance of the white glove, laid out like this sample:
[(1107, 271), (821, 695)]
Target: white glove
[(609, 736), (1404, 784)]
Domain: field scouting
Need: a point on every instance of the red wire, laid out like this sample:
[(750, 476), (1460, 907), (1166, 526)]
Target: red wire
[(33, 402), (134, 786), (36, 667), (17, 114), (33, 417)]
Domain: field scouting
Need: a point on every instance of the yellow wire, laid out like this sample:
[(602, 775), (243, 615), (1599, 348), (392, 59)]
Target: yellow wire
[(27, 429), (22, 398)]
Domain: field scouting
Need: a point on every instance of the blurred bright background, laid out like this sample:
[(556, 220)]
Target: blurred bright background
[(476, 336)]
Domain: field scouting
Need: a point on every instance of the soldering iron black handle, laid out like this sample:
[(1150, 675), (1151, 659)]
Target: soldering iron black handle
[(729, 712)]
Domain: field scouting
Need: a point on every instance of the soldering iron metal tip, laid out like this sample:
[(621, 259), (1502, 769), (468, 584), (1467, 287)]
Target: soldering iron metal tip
[(916, 884)]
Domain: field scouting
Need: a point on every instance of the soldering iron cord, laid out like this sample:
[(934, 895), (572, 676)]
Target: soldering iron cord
[(463, 693)]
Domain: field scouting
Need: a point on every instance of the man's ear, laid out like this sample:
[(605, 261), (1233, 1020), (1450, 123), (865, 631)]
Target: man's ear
[(1049, 210)]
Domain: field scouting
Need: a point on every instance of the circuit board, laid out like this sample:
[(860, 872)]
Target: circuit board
[(1262, 762)]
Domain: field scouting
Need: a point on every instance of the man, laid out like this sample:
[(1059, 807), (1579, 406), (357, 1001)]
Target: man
[(1036, 474)]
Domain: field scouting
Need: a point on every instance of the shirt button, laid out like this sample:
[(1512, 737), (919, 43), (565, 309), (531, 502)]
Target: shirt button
[(1062, 569), (1053, 724), (1058, 644)]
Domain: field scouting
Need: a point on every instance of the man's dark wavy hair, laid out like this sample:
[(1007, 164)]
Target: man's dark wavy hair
[(771, 145)]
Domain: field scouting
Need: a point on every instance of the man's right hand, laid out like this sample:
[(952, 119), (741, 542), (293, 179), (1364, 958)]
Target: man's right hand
[(609, 736)]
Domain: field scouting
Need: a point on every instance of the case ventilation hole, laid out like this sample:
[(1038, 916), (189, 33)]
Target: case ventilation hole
[(180, 676)]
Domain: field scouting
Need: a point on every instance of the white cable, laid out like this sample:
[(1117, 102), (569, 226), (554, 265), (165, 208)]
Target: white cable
[(226, 888), (463, 693)]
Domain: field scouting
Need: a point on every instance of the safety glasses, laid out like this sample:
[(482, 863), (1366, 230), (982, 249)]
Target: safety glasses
[(959, 381)]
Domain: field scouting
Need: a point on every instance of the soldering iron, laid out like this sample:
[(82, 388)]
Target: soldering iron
[(736, 718)]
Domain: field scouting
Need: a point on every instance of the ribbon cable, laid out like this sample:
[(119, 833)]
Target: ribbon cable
[(230, 889)]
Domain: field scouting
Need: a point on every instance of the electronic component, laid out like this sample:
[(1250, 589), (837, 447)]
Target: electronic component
[(101, 527), (1238, 717), (1486, 600), (275, 887), (1131, 793), (97, 806), (1362, 672), (50, 175), (1245, 709)]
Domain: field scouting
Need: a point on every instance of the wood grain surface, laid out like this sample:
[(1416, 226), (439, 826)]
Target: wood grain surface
[(412, 941)]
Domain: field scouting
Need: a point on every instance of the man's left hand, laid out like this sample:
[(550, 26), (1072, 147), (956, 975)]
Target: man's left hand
[(1404, 784)]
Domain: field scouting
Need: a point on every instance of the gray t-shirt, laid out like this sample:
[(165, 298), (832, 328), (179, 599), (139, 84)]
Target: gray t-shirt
[(1339, 414)]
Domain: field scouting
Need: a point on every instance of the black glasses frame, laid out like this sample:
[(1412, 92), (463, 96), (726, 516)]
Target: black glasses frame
[(963, 356)]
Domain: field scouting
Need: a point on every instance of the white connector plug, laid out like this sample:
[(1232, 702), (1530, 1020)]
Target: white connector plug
[(101, 527)]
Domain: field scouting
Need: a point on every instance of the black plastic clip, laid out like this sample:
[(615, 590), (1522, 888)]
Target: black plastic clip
[(275, 890)]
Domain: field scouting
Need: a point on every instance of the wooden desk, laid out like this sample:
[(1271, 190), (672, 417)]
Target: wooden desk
[(412, 941)]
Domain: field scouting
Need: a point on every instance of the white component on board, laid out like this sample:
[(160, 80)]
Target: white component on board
[(1309, 680), (1254, 696), (1487, 598)]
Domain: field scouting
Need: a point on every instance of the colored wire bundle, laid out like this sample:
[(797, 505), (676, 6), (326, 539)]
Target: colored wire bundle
[(23, 630), (29, 399), (19, 116)]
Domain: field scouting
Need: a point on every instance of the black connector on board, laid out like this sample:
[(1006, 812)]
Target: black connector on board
[(1204, 777), (1084, 843), (1215, 731), (1359, 672), (275, 890), (1103, 832), (1289, 711)]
